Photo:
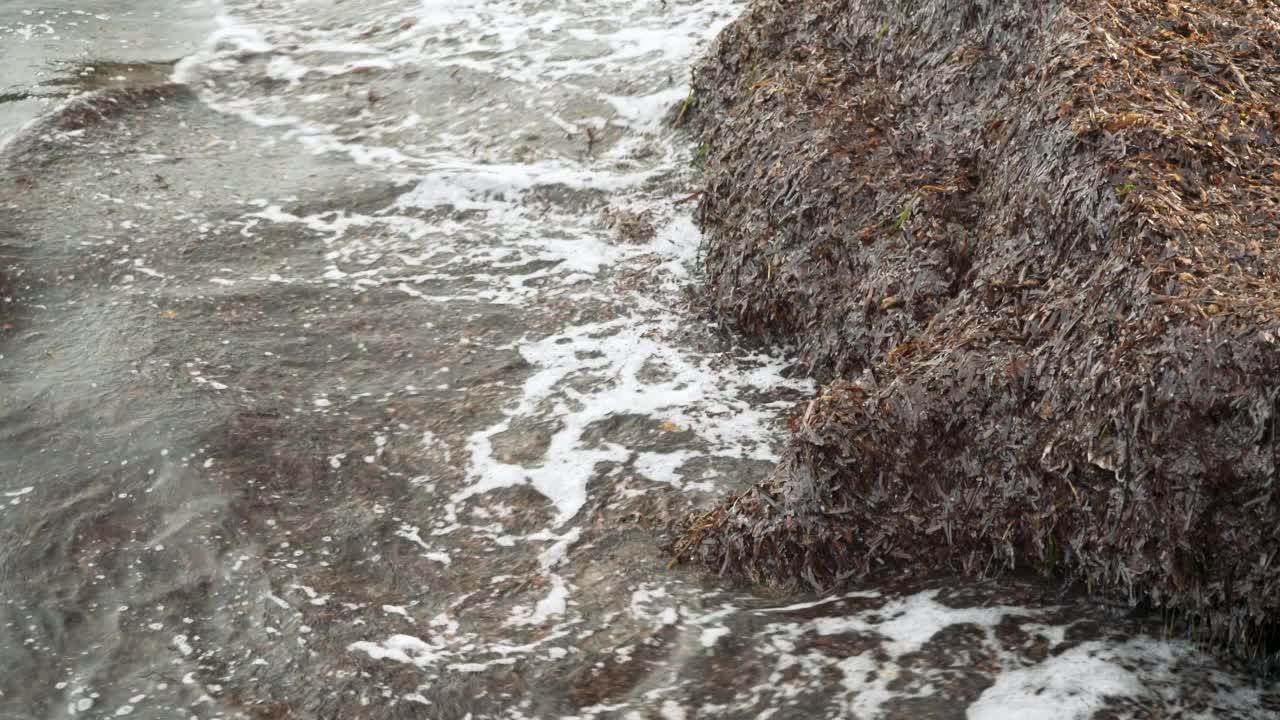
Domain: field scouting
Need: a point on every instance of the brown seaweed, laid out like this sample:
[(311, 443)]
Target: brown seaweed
[(1033, 250)]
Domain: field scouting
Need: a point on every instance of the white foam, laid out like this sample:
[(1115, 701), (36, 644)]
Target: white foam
[(618, 352), (819, 603), (908, 623), (555, 604), (404, 649), (1074, 684), (181, 643)]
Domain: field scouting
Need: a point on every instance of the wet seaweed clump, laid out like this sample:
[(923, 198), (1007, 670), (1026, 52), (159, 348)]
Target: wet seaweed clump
[(103, 105), (43, 145), (1031, 248)]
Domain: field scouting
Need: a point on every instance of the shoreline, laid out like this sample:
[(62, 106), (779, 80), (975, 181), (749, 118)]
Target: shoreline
[(371, 392)]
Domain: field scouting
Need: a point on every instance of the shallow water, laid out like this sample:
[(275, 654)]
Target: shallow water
[(363, 378)]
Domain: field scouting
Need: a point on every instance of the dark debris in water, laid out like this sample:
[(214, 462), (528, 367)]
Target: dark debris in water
[(1031, 248), (93, 109)]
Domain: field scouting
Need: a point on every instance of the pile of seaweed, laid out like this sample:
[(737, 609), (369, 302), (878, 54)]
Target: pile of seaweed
[(1032, 247)]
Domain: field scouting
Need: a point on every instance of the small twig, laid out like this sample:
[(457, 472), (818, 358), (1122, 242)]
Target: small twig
[(691, 196)]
